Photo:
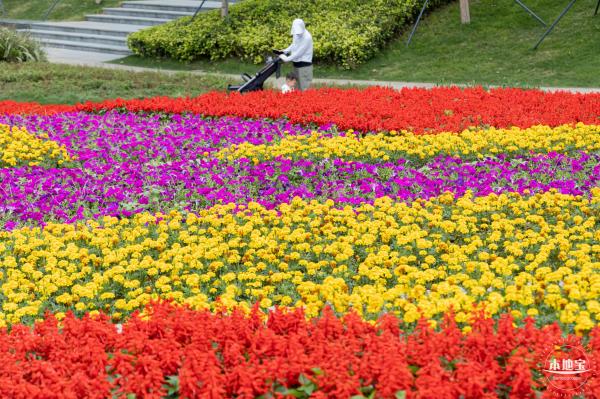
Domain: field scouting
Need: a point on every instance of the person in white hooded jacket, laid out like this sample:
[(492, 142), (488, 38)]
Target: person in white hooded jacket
[(300, 53)]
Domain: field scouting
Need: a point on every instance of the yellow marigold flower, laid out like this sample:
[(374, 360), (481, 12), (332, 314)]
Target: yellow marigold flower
[(479, 142), (382, 257), (18, 147)]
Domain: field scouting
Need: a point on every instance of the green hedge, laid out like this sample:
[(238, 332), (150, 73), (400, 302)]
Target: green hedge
[(345, 32)]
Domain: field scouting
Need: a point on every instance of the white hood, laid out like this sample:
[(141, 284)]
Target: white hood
[(298, 27)]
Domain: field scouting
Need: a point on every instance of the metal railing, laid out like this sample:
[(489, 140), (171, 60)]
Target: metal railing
[(414, 29), (52, 7), (528, 10), (197, 11), (44, 17), (200, 8)]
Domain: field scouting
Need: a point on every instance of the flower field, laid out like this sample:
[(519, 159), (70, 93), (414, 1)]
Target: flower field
[(332, 243)]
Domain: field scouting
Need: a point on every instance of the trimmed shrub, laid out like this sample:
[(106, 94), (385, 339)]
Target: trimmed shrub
[(19, 47), (345, 32)]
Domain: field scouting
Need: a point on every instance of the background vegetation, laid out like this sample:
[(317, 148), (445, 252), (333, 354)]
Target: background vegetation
[(346, 32), (19, 47), (496, 48), (64, 84), (66, 10)]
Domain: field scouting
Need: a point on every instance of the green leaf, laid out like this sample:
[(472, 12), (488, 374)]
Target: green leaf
[(401, 395), (281, 389), (172, 385), (296, 393), (308, 389), (303, 380), (413, 368)]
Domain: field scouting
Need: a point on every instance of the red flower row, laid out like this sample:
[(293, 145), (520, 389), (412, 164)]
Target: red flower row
[(197, 354), (14, 107), (420, 110)]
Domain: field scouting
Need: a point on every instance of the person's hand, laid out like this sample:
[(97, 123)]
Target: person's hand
[(284, 58)]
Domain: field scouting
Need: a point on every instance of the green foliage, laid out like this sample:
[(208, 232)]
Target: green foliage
[(345, 32), (65, 10), (172, 387), (19, 47), (68, 84)]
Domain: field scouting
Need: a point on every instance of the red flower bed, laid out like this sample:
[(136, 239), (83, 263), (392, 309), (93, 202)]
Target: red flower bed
[(444, 108), (202, 355), (13, 107)]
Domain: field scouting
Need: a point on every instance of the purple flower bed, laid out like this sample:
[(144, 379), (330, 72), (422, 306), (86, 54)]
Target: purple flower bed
[(127, 137), (128, 163)]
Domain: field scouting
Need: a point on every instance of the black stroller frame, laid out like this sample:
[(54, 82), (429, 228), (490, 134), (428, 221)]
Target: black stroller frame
[(256, 82)]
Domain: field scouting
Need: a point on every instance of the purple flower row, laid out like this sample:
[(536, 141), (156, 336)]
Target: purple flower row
[(126, 137), (129, 163), (38, 195)]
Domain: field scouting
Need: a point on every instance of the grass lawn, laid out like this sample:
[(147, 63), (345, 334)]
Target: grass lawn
[(65, 10), (496, 48), (62, 84)]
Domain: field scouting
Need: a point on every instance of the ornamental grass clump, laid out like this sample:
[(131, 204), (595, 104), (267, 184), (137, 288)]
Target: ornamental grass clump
[(19, 47)]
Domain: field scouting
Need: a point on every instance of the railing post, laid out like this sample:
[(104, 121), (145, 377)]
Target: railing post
[(414, 29), (556, 21), (197, 11), (534, 15), (50, 9)]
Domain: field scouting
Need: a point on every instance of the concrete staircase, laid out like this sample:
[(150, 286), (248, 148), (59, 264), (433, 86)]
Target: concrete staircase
[(107, 32)]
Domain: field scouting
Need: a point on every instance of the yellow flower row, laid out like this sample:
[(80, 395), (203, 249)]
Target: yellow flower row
[(395, 145), (531, 255), (18, 147)]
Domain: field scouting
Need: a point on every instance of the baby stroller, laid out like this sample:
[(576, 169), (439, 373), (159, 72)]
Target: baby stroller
[(253, 83)]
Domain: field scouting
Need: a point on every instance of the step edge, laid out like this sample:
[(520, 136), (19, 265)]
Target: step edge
[(75, 34)]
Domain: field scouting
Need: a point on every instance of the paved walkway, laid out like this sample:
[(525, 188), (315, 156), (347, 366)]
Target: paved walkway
[(74, 57), (99, 60)]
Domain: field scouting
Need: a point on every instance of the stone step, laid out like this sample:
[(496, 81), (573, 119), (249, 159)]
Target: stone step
[(107, 33), (146, 13), (93, 47), (88, 28), (117, 41), (15, 23), (188, 6), (116, 19)]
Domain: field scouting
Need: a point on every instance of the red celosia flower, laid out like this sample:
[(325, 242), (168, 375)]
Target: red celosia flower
[(420, 110), (235, 355)]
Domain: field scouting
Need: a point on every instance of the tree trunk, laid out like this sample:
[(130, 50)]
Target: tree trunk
[(224, 8), (465, 17)]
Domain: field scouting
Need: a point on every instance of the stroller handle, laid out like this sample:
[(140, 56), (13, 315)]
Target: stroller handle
[(253, 83)]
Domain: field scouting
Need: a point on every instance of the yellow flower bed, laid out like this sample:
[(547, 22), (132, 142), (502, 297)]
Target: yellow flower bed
[(395, 145), (18, 147), (536, 255)]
